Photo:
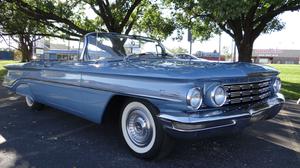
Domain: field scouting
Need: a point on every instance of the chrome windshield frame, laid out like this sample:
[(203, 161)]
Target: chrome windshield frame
[(101, 34)]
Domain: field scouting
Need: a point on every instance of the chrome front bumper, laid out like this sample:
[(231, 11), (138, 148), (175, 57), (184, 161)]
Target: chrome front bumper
[(213, 122)]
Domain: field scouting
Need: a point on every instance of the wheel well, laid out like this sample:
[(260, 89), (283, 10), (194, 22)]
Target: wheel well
[(23, 89), (115, 105)]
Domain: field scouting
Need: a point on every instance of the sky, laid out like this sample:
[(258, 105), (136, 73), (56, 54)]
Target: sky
[(288, 38)]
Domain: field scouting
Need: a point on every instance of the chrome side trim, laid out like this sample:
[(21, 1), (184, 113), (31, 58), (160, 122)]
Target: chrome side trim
[(94, 88)]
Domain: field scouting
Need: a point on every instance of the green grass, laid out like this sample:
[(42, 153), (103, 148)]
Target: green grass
[(2, 69), (290, 77)]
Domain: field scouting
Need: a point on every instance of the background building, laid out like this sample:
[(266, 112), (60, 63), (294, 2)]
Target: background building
[(56, 49), (276, 56), (60, 55), (6, 55)]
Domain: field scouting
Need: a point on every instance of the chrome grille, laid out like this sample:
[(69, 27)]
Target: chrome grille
[(246, 92)]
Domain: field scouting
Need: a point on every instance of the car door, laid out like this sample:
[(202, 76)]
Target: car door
[(59, 86)]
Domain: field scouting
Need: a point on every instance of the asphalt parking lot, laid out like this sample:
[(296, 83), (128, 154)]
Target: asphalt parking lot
[(51, 138)]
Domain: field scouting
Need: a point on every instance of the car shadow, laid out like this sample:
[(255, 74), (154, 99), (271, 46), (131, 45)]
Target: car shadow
[(291, 90)]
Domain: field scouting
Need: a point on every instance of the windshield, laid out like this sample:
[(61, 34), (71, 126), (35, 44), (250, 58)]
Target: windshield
[(101, 46)]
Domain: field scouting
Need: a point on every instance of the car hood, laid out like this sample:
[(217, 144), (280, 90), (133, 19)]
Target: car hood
[(163, 68), (169, 68)]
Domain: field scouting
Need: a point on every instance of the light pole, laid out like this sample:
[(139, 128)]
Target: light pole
[(190, 39), (220, 47), (233, 50)]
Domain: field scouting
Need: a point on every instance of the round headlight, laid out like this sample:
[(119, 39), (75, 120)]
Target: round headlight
[(194, 98), (277, 85), (216, 96)]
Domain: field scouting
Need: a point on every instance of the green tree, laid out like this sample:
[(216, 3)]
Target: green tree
[(152, 22), (20, 29), (119, 16), (243, 20), (70, 19), (179, 50), (23, 30)]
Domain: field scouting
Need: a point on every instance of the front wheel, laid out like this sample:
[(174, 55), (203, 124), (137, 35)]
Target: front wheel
[(33, 104), (142, 131)]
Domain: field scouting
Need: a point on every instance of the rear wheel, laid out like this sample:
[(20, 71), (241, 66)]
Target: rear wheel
[(142, 131), (32, 104)]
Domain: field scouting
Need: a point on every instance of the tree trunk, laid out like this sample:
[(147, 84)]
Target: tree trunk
[(245, 48), (26, 48), (118, 45), (26, 55)]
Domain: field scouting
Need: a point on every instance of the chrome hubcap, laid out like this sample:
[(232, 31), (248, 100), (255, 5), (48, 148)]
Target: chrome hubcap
[(139, 128)]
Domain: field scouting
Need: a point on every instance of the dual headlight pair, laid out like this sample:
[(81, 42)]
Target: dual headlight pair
[(215, 97)]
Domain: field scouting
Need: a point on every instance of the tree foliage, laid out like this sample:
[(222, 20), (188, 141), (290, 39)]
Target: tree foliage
[(22, 30), (72, 17), (184, 12), (179, 50), (153, 22), (243, 20)]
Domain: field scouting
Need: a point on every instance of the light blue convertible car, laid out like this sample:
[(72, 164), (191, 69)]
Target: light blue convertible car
[(158, 97)]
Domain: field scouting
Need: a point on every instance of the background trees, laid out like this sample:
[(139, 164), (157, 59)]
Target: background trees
[(28, 19), (179, 50), (22, 30), (243, 20), (121, 16)]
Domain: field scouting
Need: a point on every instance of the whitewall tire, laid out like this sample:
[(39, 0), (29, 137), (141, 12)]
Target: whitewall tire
[(32, 104), (142, 131)]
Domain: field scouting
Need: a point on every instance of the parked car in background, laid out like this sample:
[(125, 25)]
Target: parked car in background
[(185, 56), (158, 97)]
